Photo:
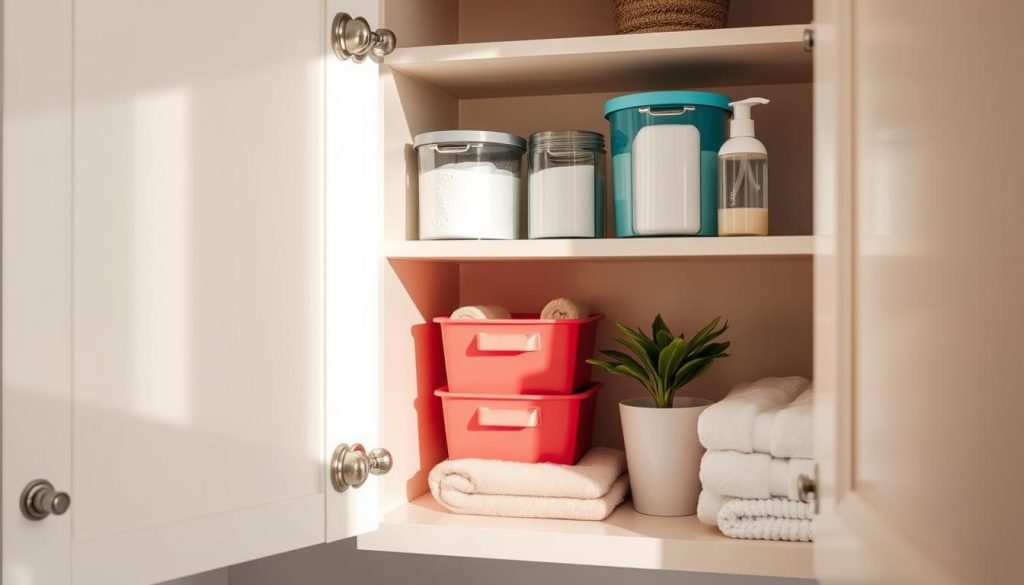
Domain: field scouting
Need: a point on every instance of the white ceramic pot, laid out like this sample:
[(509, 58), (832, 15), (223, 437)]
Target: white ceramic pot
[(663, 454)]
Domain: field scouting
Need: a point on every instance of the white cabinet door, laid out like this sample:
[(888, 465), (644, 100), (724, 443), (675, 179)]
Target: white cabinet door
[(918, 291), (189, 282)]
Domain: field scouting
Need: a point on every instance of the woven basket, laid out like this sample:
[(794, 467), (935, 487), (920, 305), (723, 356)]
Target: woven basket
[(639, 16)]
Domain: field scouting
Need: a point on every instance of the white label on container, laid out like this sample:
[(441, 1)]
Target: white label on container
[(666, 180), (461, 203), (561, 202)]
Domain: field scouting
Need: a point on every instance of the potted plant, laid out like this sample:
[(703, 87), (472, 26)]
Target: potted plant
[(660, 430)]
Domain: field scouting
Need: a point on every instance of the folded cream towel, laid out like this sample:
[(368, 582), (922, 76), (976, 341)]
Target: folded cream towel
[(481, 312), (752, 475), (764, 519), (589, 490), (746, 415), (562, 308), (793, 428)]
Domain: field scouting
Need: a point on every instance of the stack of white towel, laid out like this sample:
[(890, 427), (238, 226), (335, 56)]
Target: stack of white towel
[(759, 441), (589, 490)]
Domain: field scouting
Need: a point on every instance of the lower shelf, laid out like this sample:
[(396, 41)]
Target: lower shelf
[(626, 539), (599, 249)]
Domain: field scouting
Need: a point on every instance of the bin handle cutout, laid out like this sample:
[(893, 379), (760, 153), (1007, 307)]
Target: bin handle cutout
[(667, 111), (522, 418), (508, 341)]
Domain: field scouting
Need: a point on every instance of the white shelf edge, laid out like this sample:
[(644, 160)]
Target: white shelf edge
[(702, 58), (600, 249), (596, 45), (626, 539)]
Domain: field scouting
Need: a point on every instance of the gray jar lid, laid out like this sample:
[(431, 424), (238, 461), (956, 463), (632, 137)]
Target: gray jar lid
[(467, 136)]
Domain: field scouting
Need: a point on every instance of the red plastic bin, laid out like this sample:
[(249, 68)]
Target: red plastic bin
[(522, 355), (527, 428)]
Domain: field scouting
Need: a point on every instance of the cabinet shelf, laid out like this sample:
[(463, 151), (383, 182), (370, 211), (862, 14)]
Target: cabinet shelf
[(626, 539), (730, 56), (599, 249)]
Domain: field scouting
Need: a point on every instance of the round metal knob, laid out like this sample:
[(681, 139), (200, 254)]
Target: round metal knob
[(352, 465), (386, 42), (352, 38), (806, 488), (39, 499), (808, 39)]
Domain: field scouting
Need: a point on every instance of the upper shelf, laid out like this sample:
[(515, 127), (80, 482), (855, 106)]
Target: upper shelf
[(702, 58), (625, 539), (599, 249)]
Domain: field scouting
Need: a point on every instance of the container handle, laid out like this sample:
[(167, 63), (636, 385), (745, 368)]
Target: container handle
[(508, 341), (666, 111), (521, 418), (452, 148)]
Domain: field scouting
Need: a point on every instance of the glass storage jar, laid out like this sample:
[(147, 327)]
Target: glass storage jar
[(565, 188), (469, 184)]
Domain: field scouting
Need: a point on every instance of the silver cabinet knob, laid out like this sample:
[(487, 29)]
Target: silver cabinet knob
[(39, 499), (353, 38), (807, 489), (808, 39), (351, 465)]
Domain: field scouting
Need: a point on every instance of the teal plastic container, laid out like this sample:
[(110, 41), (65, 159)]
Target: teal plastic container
[(664, 162)]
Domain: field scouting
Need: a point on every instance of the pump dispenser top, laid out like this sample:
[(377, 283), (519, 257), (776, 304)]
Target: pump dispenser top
[(742, 124)]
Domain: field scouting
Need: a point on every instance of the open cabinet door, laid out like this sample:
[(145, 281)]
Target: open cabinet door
[(188, 294), (918, 320)]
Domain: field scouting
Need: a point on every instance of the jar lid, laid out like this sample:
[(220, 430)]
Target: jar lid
[(466, 136), (667, 98), (582, 139)]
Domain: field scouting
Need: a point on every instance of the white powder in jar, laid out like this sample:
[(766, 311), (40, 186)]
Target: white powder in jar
[(562, 202), (470, 200)]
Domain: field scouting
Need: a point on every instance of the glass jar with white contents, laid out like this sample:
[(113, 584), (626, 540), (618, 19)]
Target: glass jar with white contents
[(565, 188), (469, 184)]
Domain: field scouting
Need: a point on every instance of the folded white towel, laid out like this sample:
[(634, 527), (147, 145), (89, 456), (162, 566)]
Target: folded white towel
[(481, 312), (589, 490), (746, 415), (793, 428), (562, 308), (708, 506), (752, 475), (767, 519), (761, 519)]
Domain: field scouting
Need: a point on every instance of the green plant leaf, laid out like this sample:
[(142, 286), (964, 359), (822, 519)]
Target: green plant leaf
[(623, 359), (650, 348), (670, 359), (641, 354), (636, 374), (658, 326), (707, 334), (685, 374), (700, 371), (664, 338), (712, 350)]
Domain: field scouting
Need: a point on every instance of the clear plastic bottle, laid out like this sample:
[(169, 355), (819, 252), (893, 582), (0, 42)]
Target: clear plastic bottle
[(743, 177)]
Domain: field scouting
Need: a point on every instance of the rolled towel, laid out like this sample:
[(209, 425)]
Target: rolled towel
[(589, 490), (752, 475), (746, 415), (793, 428), (766, 519), (481, 312), (562, 308)]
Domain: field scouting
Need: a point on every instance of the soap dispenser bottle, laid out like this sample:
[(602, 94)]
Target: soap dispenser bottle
[(743, 176)]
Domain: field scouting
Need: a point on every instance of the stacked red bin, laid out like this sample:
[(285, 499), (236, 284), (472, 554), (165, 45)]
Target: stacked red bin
[(519, 389)]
